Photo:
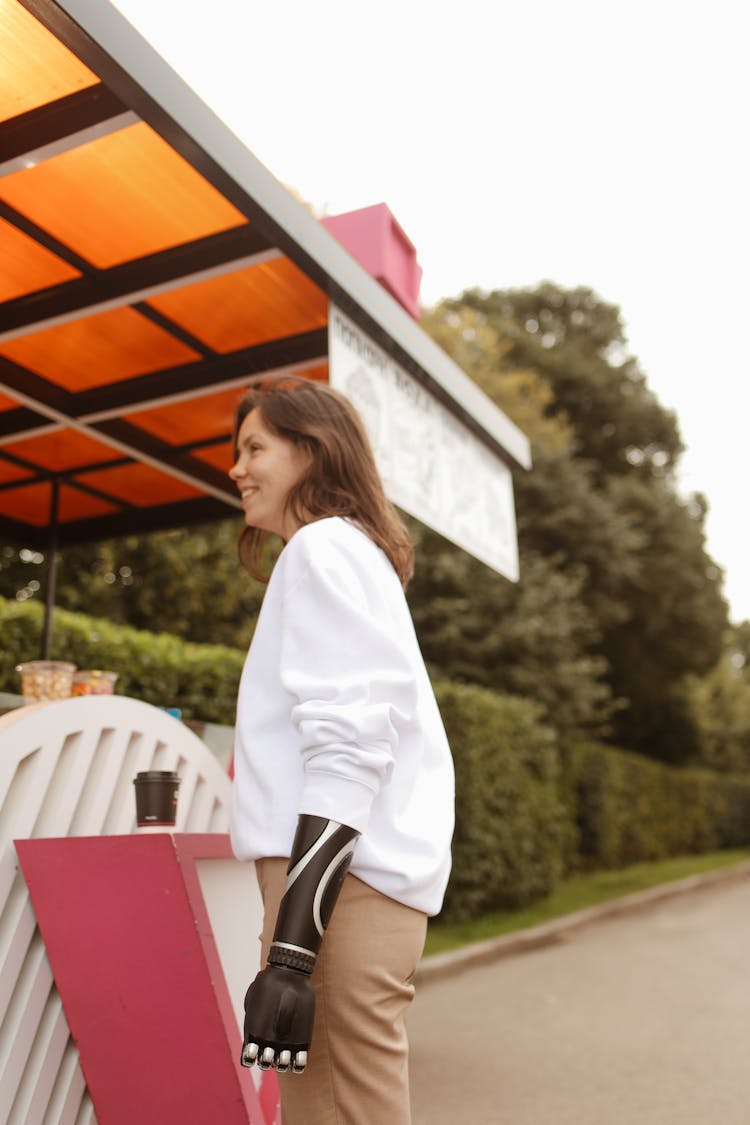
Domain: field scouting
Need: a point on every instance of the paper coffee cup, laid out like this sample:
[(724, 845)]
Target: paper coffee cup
[(156, 799)]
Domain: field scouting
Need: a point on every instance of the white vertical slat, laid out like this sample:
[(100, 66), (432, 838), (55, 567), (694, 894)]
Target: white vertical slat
[(93, 805), (199, 809), (218, 818), (69, 1093), (17, 929), (21, 807), (86, 1115), (67, 769), (42, 1065), (24, 1012)]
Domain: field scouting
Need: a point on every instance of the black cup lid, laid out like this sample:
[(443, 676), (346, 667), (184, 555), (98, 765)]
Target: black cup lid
[(157, 775)]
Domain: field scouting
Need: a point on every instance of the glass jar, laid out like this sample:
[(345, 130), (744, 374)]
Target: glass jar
[(94, 681), (43, 680)]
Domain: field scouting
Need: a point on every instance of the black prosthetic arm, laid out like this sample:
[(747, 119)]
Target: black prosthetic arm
[(280, 1003)]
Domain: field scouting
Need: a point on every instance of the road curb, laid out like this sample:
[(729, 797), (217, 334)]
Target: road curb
[(441, 965)]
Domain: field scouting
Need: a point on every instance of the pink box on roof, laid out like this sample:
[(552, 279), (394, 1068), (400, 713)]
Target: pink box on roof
[(379, 243)]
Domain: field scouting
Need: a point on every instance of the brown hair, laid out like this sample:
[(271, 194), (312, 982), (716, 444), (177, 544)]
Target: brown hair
[(342, 480)]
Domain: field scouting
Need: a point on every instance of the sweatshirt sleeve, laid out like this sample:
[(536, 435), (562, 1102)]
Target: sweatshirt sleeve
[(352, 686)]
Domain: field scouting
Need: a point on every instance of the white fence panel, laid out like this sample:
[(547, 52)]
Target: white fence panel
[(67, 769)]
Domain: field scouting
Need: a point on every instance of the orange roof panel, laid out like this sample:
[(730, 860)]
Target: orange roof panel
[(35, 67), (77, 505), (101, 188), (31, 504), (140, 484), (120, 197), (221, 456), (10, 472), (249, 306), (62, 450), (98, 349), (27, 266), (201, 416), (319, 373), (191, 419)]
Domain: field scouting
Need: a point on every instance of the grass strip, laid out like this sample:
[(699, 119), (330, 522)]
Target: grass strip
[(576, 893)]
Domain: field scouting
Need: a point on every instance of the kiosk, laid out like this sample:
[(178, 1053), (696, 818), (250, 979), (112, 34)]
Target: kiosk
[(150, 264)]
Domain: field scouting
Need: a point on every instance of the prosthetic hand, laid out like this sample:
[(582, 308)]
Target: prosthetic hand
[(280, 1003)]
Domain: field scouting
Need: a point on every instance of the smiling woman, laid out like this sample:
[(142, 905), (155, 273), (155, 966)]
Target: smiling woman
[(302, 453), (343, 791), (267, 468)]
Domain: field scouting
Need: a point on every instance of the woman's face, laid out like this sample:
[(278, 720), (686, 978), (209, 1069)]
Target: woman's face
[(267, 467)]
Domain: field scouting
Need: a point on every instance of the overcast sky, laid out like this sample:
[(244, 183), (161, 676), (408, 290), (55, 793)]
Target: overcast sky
[(595, 142)]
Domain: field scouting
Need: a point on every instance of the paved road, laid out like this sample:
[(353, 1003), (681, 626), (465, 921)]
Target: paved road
[(638, 1020)]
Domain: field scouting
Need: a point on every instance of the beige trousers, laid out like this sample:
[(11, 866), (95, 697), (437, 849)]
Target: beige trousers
[(357, 1072)]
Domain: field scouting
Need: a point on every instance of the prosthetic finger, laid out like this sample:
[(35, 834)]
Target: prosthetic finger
[(283, 1062), (250, 1054)]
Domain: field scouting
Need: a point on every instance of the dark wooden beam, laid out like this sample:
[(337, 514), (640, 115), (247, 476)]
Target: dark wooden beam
[(128, 395), (53, 122), (33, 386), (98, 287), (173, 328), (17, 421), (44, 238), (141, 521), (132, 394), (135, 521), (153, 449)]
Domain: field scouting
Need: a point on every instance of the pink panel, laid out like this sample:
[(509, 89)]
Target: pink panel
[(133, 956), (379, 243)]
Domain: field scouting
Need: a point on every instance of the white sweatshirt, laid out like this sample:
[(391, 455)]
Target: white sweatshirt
[(336, 718)]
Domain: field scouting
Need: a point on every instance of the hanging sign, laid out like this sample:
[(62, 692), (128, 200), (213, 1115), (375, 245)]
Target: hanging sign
[(432, 465)]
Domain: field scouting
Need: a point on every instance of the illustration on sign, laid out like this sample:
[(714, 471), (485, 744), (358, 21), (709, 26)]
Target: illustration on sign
[(432, 465)]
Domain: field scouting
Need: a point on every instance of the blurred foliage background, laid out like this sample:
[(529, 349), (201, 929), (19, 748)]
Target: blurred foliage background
[(617, 629), (598, 710)]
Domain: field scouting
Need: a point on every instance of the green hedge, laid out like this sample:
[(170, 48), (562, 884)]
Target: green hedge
[(527, 809), (510, 823), (201, 680), (625, 808)]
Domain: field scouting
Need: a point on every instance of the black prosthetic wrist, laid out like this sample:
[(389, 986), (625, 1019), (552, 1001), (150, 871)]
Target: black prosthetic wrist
[(321, 854)]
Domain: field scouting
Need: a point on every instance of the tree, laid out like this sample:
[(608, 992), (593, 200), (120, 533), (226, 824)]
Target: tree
[(533, 639), (720, 703), (537, 638), (577, 343), (618, 602), (601, 499)]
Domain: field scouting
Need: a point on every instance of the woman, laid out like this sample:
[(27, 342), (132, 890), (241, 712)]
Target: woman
[(343, 791)]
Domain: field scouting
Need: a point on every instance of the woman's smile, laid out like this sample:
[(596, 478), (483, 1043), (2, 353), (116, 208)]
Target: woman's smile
[(268, 466)]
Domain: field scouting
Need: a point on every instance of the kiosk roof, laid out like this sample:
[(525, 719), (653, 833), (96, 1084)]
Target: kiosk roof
[(150, 265)]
